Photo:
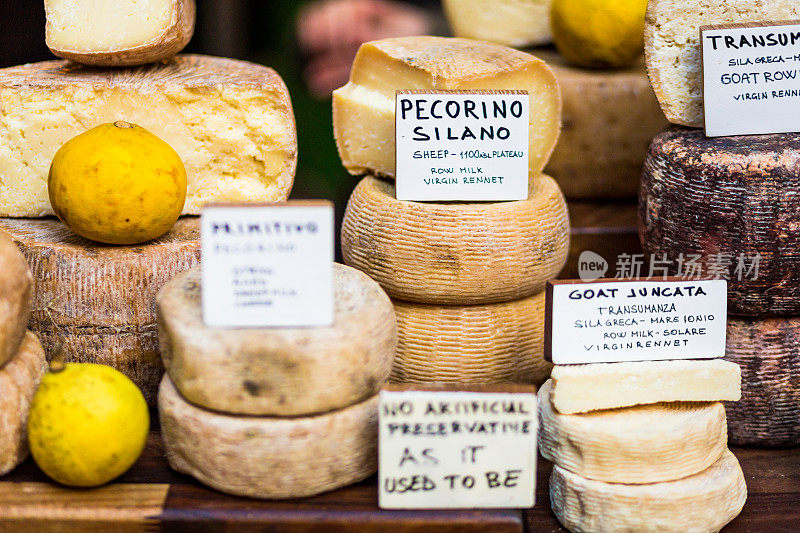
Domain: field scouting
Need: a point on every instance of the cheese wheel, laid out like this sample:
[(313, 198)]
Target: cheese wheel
[(364, 109), (98, 300), (643, 444), (492, 343), (15, 297), (279, 371), (672, 46), (608, 120), (19, 379), (768, 351), (704, 502), (456, 253), (516, 23), (231, 122), (263, 457), (733, 202)]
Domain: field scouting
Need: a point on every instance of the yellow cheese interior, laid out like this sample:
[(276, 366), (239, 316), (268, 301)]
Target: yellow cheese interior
[(510, 22)]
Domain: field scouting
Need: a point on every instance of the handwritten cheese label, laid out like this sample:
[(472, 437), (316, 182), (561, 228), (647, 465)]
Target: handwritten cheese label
[(612, 320), (751, 75), (268, 265), (457, 449), (462, 145)]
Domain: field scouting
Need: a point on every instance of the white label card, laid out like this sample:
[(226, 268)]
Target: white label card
[(462, 146), (268, 265), (457, 450), (751, 76), (615, 321)]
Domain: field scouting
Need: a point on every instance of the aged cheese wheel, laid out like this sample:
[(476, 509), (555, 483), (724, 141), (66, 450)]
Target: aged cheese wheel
[(15, 297), (609, 118), (279, 371), (643, 444), (517, 23), (264, 457), (491, 343), (768, 351), (19, 379), (702, 503), (456, 253), (364, 109), (231, 122), (733, 202), (98, 300), (672, 46)]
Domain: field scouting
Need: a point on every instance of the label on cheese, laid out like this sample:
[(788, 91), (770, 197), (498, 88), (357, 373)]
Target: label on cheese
[(462, 145), (268, 265), (451, 449), (751, 75), (614, 321)]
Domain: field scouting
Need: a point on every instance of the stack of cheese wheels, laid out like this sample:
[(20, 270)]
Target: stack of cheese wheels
[(466, 278), (725, 207), (641, 446), (275, 413), (22, 360)]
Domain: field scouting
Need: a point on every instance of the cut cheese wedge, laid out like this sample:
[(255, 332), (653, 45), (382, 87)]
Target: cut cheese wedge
[(642, 444), (269, 458), (492, 343), (16, 283), (456, 253), (592, 387), (702, 503), (231, 123), (279, 371), (19, 379), (119, 33), (364, 109), (517, 23)]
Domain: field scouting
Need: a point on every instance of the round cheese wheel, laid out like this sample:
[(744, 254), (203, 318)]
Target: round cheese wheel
[(704, 502), (264, 457), (279, 371), (19, 379), (15, 298), (609, 118), (456, 253), (732, 203), (471, 344), (768, 352), (642, 444), (98, 300)]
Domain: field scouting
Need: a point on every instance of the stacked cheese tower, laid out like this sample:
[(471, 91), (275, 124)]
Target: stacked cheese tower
[(641, 446), (466, 278), (275, 413), (230, 122), (728, 204)]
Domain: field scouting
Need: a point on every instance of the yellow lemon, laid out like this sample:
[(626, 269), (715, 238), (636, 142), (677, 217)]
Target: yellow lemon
[(88, 424), (599, 33), (117, 184)]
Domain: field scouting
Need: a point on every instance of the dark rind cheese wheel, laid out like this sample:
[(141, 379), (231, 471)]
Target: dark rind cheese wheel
[(768, 352), (728, 199)]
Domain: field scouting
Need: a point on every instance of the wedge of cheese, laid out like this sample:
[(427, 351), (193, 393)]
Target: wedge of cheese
[(516, 23), (364, 109), (230, 121), (592, 387), (16, 283), (118, 33), (702, 503)]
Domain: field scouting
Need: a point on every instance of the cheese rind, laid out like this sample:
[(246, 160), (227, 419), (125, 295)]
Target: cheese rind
[(19, 379), (364, 109), (704, 502), (279, 371), (516, 23), (592, 387), (231, 122), (494, 343), (121, 33), (456, 253), (271, 458), (16, 283), (635, 445)]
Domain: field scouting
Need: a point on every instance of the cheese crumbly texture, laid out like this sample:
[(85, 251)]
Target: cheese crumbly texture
[(516, 23), (231, 123)]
